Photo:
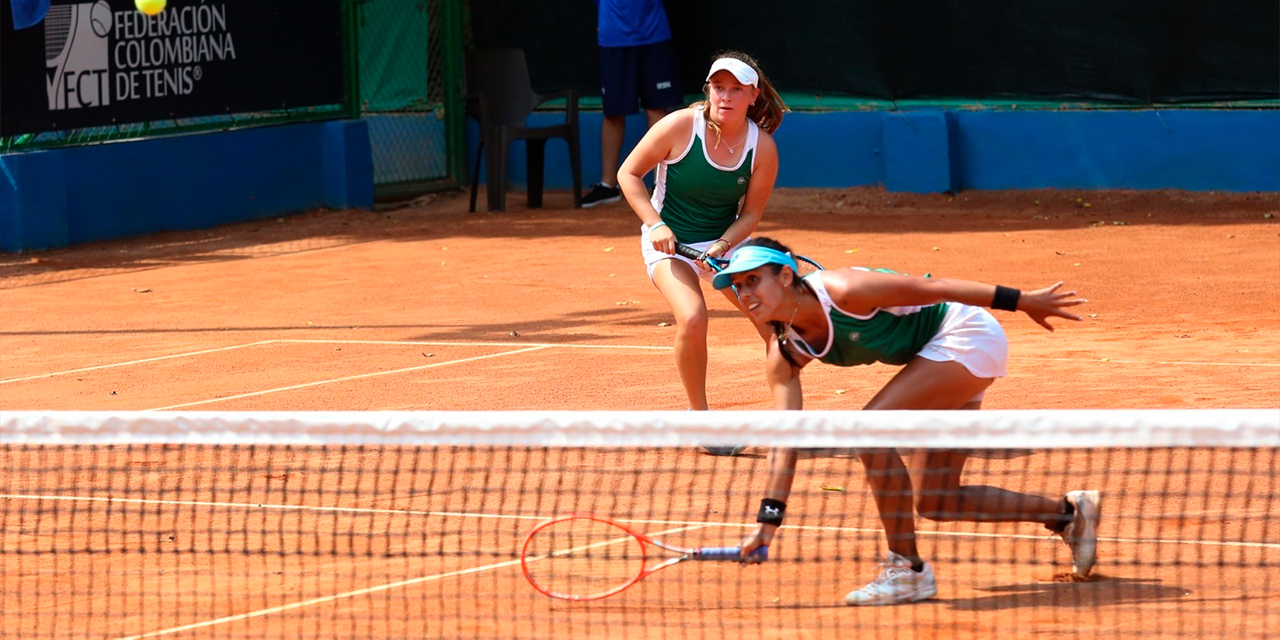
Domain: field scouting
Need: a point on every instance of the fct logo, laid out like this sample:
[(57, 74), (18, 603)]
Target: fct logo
[(76, 51)]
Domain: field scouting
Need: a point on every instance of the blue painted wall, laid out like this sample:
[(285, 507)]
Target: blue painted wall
[(810, 154), (939, 150), (54, 198), (82, 194), (1228, 150)]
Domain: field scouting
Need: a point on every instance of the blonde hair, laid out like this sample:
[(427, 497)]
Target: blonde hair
[(768, 108)]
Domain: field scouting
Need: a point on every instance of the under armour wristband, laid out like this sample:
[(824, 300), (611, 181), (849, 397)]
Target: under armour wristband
[(771, 511), (1006, 298)]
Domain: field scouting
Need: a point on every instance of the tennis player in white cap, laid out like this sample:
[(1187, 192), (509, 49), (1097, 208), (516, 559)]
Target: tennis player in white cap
[(715, 165)]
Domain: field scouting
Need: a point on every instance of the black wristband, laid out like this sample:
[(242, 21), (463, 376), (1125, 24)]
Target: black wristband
[(1006, 298), (771, 511)]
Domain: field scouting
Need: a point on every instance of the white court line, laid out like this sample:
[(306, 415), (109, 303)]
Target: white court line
[(346, 379), (689, 523), (631, 346), (558, 346), (430, 343), (974, 534), (1169, 362), (133, 362), (605, 543), (681, 526), (278, 507), (365, 591), (304, 341), (320, 600)]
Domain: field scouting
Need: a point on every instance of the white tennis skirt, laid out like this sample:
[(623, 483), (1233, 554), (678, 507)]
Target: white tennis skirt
[(972, 337), (652, 256)]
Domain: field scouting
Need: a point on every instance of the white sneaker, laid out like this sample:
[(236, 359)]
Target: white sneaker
[(896, 584), (1081, 533), (724, 451)]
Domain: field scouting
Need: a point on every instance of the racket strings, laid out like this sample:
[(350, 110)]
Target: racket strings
[(807, 265), (583, 558)]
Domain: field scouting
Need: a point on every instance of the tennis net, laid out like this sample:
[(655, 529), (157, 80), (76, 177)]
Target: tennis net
[(411, 525)]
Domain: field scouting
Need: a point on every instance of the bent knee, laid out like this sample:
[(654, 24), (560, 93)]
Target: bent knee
[(937, 508), (691, 320)]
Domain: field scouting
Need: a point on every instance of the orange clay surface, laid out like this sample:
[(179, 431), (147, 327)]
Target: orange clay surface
[(427, 307)]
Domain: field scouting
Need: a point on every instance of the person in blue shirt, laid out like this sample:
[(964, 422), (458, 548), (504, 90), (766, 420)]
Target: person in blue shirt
[(637, 68), (28, 13)]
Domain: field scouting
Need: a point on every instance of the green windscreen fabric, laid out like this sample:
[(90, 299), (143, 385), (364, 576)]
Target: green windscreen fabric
[(393, 54)]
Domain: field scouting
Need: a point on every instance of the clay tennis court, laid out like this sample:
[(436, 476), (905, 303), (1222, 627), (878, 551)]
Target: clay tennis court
[(426, 307)]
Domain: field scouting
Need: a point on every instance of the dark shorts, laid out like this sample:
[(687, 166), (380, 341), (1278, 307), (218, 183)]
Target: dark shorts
[(631, 77)]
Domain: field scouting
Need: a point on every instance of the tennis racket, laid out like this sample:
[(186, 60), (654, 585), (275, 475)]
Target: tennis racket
[(716, 264), (588, 557), (807, 265)]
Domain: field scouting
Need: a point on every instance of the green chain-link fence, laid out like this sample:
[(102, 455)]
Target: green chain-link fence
[(113, 133)]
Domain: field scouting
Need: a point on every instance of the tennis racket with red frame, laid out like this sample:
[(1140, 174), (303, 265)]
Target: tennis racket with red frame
[(589, 557)]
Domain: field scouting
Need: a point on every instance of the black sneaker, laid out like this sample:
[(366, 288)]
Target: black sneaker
[(600, 194)]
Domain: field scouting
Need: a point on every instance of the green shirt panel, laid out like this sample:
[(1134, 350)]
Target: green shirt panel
[(884, 337), (892, 335), (702, 200)]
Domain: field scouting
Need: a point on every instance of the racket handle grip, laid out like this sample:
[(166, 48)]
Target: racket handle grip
[(730, 554), (688, 251)]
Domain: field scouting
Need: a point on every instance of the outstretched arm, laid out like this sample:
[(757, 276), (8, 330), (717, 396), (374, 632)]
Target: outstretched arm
[(782, 470), (863, 291), (784, 380)]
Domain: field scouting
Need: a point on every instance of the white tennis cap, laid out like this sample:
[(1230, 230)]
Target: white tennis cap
[(740, 70)]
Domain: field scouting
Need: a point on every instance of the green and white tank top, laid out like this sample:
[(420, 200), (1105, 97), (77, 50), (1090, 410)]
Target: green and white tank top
[(892, 335), (697, 198)]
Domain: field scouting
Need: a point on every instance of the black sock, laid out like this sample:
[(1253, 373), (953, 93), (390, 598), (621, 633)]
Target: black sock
[(1068, 514), (917, 566)]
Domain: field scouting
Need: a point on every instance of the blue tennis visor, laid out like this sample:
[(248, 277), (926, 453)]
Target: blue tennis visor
[(748, 258)]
